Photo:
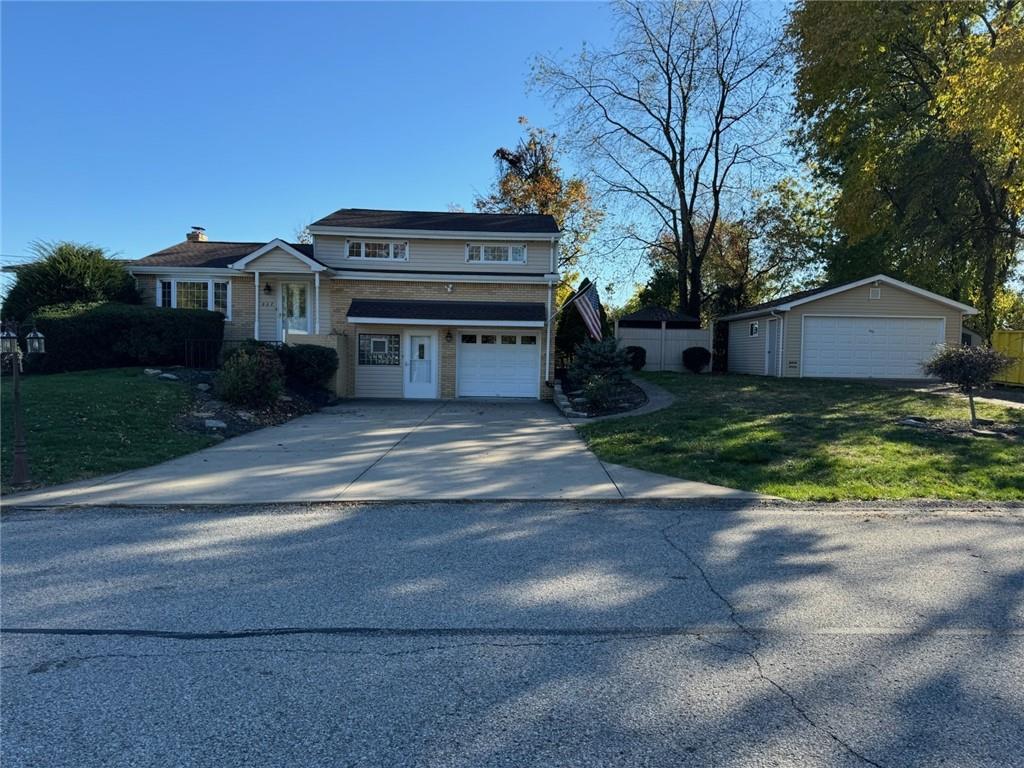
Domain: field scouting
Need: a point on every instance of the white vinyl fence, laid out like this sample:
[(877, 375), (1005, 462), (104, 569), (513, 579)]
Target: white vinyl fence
[(664, 345)]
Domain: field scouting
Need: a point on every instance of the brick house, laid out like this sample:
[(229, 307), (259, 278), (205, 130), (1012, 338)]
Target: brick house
[(417, 304)]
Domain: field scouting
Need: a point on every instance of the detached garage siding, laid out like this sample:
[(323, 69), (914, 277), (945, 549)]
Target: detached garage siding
[(746, 352), (893, 302)]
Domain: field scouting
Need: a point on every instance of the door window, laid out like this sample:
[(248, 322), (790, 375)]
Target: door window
[(296, 307), (421, 369)]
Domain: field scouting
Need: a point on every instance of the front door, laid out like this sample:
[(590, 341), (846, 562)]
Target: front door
[(419, 367), (294, 309), (772, 343)]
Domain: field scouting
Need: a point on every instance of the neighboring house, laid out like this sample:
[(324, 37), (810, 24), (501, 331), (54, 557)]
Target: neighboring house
[(418, 305), (877, 327), (664, 334)]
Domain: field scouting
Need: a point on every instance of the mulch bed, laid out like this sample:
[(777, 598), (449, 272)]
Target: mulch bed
[(962, 428), (628, 398), (238, 420)]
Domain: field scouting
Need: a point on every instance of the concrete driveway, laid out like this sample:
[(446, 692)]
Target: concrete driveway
[(369, 450), (526, 634)]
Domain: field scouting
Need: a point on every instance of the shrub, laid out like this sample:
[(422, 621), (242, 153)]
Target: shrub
[(309, 366), (251, 376), (600, 393), (81, 336), (636, 357), (696, 359), (67, 273), (968, 368), (598, 358)]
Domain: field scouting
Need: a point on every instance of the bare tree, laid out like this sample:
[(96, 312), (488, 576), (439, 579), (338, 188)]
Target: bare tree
[(680, 120)]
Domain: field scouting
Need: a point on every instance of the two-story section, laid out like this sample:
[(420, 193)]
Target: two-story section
[(418, 304)]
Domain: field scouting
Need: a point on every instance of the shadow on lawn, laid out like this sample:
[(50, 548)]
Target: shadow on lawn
[(570, 601)]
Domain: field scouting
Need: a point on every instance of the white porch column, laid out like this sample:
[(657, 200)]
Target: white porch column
[(316, 302), (256, 323)]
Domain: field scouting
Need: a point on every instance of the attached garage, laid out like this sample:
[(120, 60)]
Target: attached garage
[(498, 363), (874, 328), (444, 349)]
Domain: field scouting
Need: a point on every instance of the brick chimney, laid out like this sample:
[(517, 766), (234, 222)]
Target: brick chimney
[(197, 235)]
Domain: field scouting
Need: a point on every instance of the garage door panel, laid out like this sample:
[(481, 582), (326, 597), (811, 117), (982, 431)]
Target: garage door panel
[(868, 347), (506, 368)]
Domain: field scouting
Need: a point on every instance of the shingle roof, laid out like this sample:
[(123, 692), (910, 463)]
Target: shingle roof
[(657, 315), (364, 218), (401, 309), (207, 253)]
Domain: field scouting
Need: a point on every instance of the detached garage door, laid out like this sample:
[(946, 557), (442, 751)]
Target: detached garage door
[(869, 347), (498, 364)]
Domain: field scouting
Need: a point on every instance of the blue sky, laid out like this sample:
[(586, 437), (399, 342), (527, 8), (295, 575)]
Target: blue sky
[(125, 123)]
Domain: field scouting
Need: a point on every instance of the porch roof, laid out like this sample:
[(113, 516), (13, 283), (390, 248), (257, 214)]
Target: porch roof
[(530, 314)]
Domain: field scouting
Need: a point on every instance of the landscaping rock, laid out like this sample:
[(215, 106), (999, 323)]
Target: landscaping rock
[(913, 422), (152, 371), (987, 433), (168, 377), (215, 424), (247, 415), (203, 387), (284, 398)]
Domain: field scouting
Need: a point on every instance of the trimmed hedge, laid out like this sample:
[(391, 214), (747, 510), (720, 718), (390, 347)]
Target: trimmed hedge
[(636, 357), (111, 335), (252, 376), (308, 365), (696, 359)]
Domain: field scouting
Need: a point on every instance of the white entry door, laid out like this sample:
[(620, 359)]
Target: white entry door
[(419, 366), (869, 347), (294, 309), (771, 348)]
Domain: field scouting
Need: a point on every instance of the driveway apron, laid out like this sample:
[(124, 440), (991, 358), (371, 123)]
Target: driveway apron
[(366, 450)]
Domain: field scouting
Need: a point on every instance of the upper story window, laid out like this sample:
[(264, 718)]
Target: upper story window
[(194, 293), (378, 249), (501, 253)]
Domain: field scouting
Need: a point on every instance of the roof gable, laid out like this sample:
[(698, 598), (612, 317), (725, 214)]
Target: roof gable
[(275, 244), (803, 297)]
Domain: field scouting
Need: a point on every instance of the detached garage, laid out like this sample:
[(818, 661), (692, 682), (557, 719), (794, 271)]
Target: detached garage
[(874, 328)]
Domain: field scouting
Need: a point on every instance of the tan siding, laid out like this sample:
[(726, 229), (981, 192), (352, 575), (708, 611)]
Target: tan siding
[(746, 352), (433, 256), (375, 380), (277, 260), (894, 302)]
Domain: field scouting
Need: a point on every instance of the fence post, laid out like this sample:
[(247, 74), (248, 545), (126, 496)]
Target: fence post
[(661, 355)]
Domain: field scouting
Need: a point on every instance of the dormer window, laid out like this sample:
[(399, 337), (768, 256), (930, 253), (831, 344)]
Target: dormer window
[(378, 250), (498, 253)]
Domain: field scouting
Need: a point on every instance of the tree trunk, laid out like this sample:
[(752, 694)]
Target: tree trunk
[(974, 416)]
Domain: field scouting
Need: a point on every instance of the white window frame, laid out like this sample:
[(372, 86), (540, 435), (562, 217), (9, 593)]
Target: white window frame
[(482, 246), (210, 281), (754, 328), (362, 250)]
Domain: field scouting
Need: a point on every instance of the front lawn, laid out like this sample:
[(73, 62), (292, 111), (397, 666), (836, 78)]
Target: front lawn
[(813, 440), (78, 425)]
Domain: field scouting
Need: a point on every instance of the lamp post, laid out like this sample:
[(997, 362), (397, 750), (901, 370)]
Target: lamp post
[(10, 350)]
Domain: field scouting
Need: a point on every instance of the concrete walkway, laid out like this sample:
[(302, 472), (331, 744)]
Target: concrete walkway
[(367, 450)]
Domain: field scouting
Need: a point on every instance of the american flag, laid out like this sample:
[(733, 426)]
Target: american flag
[(589, 307)]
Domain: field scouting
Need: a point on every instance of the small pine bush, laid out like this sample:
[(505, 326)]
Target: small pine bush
[(251, 376)]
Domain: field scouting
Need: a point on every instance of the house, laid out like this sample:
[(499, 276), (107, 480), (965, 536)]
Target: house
[(664, 334), (417, 304), (877, 327)]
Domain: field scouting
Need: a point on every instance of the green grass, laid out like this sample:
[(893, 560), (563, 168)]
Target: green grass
[(78, 425), (813, 440)]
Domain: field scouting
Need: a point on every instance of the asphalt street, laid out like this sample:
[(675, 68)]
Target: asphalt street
[(513, 634)]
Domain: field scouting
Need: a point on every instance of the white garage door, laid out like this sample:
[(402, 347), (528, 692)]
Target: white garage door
[(498, 364), (869, 347)]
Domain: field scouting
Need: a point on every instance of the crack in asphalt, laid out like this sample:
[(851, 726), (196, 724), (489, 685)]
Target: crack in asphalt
[(752, 654)]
